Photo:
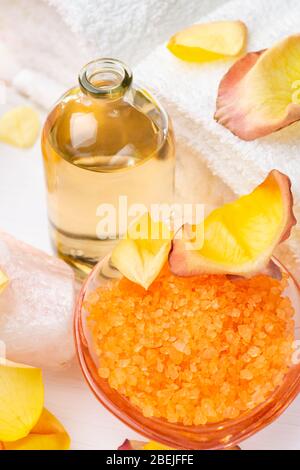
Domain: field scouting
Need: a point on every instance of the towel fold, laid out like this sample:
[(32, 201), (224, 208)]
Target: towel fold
[(55, 38), (189, 93)]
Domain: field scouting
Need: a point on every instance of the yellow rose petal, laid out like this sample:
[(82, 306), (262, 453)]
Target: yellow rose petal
[(47, 434), (21, 400), (141, 256), (141, 445), (152, 445), (20, 127), (260, 93), (209, 41), (240, 237), (3, 281)]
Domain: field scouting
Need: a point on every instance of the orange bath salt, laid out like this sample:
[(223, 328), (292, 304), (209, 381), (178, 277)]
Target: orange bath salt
[(193, 350)]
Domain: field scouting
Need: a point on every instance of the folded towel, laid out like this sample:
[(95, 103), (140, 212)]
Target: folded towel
[(189, 93), (127, 29), (39, 88), (57, 37)]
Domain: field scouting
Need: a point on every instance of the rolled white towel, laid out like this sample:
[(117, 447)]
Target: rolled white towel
[(56, 38), (189, 93)]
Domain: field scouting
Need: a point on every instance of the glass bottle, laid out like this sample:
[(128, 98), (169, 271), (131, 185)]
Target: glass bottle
[(104, 139)]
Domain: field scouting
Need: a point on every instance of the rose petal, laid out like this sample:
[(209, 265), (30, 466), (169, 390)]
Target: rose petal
[(22, 398), (209, 41), (260, 93), (151, 445), (238, 238), (132, 445), (47, 434), (20, 127), (3, 281), (141, 256)]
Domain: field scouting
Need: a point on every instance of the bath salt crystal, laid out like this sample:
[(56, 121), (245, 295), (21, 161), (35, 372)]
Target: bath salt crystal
[(36, 306), (206, 385)]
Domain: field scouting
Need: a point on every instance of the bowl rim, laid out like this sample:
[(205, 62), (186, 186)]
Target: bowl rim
[(263, 414)]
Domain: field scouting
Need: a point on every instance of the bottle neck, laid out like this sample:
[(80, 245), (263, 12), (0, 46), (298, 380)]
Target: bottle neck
[(105, 79)]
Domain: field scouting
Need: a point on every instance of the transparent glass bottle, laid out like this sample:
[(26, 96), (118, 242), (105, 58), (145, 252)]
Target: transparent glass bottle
[(104, 139)]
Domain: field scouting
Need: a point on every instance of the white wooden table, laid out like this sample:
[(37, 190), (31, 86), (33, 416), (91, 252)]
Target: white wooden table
[(23, 214)]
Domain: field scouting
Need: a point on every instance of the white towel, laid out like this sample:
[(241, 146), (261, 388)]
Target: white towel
[(55, 38), (189, 93)]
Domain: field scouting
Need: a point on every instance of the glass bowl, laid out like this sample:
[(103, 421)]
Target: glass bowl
[(221, 435)]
